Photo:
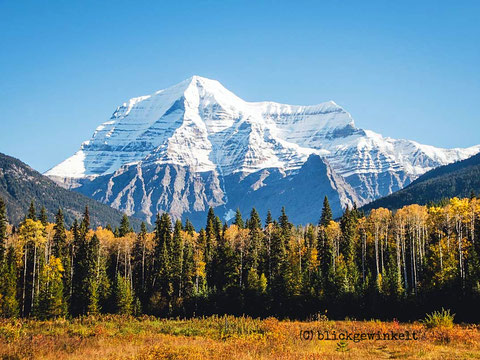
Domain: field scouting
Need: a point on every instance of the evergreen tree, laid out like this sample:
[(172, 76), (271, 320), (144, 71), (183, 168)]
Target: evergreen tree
[(210, 245), (269, 219), (348, 224), (140, 265), (61, 251), (85, 225), (163, 272), (286, 228), (59, 246), (326, 254), (8, 286), (238, 219), (32, 212), (326, 213), (123, 297), (85, 297), (224, 267), (43, 216), (177, 258), (92, 265), (213, 232), (124, 226), (188, 270), (255, 240), (254, 221), (278, 258), (189, 228)]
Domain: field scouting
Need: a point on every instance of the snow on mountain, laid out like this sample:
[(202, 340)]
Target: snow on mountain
[(197, 123), (199, 127)]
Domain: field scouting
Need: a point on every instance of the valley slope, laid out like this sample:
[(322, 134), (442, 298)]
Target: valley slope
[(454, 180), (20, 184)]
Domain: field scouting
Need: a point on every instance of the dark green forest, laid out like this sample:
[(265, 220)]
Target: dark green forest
[(381, 265), (459, 179)]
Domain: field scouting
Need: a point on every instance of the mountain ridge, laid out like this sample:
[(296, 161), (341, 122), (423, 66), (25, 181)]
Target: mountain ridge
[(20, 184), (201, 126), (453, 180)]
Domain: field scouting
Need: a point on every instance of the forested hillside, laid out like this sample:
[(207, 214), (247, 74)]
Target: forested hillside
[(20, 185), (459, 179), (388, 265)]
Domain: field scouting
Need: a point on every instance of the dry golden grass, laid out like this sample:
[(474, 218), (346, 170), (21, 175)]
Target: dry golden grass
[(116, 337)]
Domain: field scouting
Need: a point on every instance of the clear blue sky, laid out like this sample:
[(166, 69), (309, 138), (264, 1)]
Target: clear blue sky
[(406, 69)]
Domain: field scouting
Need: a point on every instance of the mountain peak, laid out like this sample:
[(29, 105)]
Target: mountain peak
[(201, 125)]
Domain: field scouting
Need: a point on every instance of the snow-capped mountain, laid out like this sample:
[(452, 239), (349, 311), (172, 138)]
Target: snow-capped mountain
[(196, 144)]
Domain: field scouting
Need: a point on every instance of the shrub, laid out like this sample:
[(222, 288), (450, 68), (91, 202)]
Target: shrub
[(441, 318)]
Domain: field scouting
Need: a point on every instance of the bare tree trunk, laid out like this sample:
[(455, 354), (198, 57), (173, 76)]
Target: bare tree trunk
[(364, 254), (33, 275), (405, 279), (143, 267), (376, 250), (381, 255), (399, 270), (24, 279), (116, 264)]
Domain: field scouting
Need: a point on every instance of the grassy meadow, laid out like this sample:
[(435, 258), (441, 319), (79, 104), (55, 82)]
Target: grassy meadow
[(122, 337)]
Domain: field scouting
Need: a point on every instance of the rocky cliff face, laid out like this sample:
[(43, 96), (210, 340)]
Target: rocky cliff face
[(196, 145)]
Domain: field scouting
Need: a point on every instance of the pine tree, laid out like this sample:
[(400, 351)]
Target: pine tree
[(224, 267), (347, 225), (85, 297), (32, 212), (92, 281), (177, 258), (285, 225), (85, 225), (124, 226), (238, 219), (43, 216), (326, 213), (211, 234), (189, 228), (210, 245), (140, 266), (59, 246), (269, 219), (347, 248), (278, 258), (188, 270), (254, 221), (123, 297), (8, 286), (61, 251), (286, 228), (255, 240), (326, 255), (163, 273)]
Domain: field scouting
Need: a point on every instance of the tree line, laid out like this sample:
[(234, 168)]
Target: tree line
[(385, 264)]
